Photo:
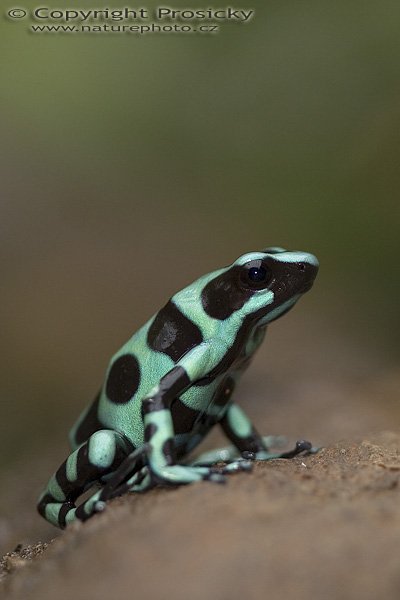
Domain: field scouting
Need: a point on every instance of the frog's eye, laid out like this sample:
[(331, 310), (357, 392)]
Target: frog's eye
[(256, 275)]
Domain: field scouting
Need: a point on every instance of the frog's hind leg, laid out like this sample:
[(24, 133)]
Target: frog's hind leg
[(100, 455), (132, 475)]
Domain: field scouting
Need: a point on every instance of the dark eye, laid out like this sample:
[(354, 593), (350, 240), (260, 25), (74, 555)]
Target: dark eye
[(257, 274)]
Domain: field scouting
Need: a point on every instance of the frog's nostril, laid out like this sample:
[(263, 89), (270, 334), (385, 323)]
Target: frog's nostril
[(302, 267)]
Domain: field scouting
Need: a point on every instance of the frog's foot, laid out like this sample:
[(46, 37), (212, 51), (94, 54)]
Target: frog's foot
[(302, 447), (67, 512), (235, 466), (230, 454), (128, 476), (139, 482), (61, 514), (181, 475), (226, 455)]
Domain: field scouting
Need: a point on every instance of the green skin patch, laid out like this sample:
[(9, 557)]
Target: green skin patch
[(173, 381), (238, 421)]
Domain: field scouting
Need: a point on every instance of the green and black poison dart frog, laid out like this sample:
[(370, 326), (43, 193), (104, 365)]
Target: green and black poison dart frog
[(173, 381)]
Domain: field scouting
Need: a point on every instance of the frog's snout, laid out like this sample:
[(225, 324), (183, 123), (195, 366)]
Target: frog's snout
[(308, 269), (300, 268)]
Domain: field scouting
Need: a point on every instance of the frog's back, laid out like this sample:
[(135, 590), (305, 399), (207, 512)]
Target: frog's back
[(131, 373)]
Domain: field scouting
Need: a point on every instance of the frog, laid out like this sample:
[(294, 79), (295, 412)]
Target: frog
[(167, 387)]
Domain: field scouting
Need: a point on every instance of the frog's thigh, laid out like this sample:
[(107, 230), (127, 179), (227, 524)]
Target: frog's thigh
[(98, 456)]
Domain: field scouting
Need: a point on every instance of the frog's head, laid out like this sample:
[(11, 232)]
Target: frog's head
[(261, 286)]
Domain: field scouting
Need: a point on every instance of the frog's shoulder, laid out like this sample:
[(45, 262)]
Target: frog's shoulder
[(191, 303)]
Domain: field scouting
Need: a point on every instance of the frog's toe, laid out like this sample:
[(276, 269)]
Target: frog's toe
[(177, 474), (303, 446), (239, 465), (235, 466), (215, 477), (181, 475), (248, 455), (99, 506)]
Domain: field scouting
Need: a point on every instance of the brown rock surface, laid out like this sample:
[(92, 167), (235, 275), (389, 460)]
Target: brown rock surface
[(324, 526)]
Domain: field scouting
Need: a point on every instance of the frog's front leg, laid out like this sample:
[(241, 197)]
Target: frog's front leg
[(98, 456), (240, 430), (158, 423), (159, 436)]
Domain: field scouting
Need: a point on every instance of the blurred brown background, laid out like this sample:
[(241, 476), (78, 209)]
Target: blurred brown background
[(131, 165)]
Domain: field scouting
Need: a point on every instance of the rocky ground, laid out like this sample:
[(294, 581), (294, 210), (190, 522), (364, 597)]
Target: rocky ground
[(326, 526)]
